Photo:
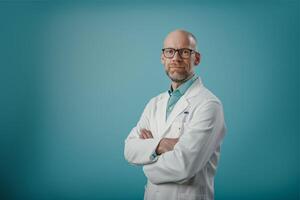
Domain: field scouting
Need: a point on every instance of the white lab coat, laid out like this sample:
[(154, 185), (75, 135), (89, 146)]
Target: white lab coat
[(187, 172)]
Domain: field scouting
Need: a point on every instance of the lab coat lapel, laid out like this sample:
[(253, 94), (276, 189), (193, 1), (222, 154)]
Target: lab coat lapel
[(183, 102), (161, 109), (179, 107)]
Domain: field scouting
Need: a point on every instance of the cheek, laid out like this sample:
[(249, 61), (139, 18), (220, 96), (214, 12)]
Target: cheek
[(166, 68), (164, 62), (188, 66)]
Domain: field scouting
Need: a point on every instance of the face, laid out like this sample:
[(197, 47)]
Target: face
[(179, 69)]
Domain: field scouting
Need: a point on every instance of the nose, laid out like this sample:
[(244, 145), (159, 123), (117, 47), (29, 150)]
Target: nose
[(177, 56)]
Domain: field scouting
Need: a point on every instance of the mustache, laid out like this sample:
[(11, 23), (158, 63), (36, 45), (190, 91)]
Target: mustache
[(176, 65)]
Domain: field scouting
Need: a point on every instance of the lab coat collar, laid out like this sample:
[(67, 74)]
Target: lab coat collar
[(193, 90)]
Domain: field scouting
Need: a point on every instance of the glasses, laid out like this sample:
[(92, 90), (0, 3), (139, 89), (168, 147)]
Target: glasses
[(184, 52)]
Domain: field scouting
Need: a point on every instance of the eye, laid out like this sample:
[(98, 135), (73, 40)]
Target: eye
[(185, 52), (169, 51)]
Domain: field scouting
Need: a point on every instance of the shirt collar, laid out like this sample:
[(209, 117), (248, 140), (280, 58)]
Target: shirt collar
[(183, 87)]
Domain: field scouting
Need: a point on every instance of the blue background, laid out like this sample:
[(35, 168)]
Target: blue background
[(75, 77)]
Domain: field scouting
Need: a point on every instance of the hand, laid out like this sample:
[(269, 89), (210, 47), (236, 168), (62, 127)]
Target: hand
[(145, 134), (165, 145)]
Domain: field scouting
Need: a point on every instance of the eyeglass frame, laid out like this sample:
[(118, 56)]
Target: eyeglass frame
[(177, 50)]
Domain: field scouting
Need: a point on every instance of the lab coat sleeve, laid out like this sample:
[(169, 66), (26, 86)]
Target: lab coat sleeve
[(141, 151), (202, 135)]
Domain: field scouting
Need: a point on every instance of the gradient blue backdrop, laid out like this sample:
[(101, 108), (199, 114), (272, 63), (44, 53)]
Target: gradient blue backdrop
[(75, 77)]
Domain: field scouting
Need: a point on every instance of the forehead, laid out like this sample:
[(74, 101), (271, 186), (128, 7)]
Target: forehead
[(178, 40)]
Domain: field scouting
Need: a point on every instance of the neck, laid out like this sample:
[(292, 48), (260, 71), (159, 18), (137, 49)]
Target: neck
[(175, 85)]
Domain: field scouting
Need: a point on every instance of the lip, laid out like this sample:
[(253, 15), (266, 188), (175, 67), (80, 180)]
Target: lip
[(176, 65)]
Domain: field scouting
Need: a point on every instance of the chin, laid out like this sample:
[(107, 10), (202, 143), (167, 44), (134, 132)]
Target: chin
[(178, 77)]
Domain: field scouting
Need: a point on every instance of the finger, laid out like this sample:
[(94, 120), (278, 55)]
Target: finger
[(175, 140), (143, 135), (143, 130), (149, 134), (146, 133)]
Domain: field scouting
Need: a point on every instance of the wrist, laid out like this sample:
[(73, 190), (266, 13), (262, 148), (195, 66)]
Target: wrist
[(158, 149)]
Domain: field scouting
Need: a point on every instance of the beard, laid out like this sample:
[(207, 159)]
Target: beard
[(178, 76)]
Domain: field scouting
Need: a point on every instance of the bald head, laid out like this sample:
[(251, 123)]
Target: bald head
[(179, 38)]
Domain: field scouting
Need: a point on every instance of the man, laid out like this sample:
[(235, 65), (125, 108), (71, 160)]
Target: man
[(178, 137)]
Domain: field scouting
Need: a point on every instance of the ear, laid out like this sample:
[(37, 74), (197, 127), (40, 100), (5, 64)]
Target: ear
[(162, 59), (197, 58)]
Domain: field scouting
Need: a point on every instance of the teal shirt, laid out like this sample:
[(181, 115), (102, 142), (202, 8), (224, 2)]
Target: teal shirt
[(176, 94)]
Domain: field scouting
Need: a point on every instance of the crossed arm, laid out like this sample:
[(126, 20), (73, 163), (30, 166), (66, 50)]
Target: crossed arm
[(180, 159), (140, 144), (165, 144)]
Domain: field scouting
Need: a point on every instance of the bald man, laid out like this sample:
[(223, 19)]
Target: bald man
[(179, 134)]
